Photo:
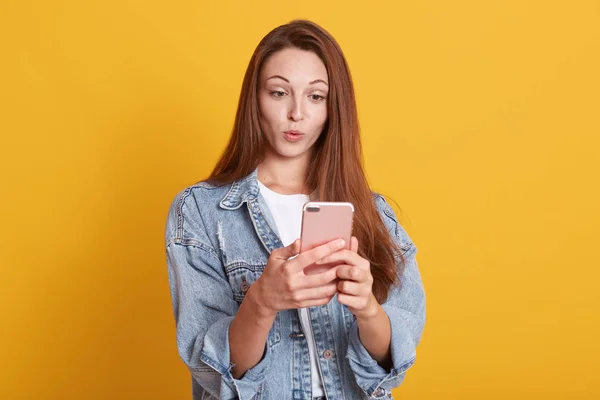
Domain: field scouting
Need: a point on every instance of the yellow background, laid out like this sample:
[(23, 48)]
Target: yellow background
[(480, 118)]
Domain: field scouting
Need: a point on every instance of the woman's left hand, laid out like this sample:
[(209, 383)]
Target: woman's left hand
[(356, 282)]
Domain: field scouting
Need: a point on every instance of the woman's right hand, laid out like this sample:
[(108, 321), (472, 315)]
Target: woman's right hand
[(283, 284)]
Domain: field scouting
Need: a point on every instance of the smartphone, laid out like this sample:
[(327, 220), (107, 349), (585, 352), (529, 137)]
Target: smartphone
[(323, 222)]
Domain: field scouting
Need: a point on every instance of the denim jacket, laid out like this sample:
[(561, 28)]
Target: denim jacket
[(218, 240)]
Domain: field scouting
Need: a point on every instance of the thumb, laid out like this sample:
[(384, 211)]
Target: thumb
[(291, 250), (354, 244)]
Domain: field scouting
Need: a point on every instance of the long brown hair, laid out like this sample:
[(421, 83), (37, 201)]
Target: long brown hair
[(336, 170)]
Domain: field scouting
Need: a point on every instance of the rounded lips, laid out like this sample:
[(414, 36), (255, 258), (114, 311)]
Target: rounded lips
[(294, 132)]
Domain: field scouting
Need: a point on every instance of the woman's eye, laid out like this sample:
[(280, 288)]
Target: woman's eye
[(277, 93), (317, 97)]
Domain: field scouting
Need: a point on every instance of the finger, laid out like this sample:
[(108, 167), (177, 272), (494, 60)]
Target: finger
[(311, 256), (355, 302), (354, 244), (302, 281), (288, 251), (352, 273), (345, 256), (318, 302), (301, 296), (353, 288)]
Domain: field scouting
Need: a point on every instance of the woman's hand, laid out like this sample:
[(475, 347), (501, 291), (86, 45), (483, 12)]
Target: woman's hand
[(356, 282), (283, 284)]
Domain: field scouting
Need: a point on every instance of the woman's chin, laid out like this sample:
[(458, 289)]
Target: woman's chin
[(291, 153), (288, 150)]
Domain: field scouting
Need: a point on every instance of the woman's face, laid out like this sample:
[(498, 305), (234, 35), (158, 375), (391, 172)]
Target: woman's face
[(292, 92)]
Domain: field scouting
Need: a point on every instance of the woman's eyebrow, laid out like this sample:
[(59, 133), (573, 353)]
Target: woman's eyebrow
[(278, 76), (310, 83), (317, 81)]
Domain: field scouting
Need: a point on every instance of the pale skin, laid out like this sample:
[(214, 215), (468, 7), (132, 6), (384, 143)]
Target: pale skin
[(292, 92)]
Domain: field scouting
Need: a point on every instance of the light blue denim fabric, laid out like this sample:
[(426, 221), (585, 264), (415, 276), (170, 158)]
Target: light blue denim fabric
[(218, 241)]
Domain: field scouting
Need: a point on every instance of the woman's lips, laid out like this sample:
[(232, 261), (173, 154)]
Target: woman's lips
[(293, 136)]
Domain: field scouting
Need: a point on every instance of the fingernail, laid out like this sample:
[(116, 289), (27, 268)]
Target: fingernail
[(341, 243)]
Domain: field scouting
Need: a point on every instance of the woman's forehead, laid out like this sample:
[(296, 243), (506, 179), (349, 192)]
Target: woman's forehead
[(294, 66)]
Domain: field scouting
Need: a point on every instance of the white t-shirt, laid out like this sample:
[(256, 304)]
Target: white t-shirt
[(287, 212)]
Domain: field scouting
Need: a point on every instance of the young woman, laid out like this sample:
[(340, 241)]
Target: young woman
[(250, 324)]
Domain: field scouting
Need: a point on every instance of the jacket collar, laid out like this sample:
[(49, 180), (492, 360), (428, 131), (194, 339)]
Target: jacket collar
[(246, 189), (241, 191)]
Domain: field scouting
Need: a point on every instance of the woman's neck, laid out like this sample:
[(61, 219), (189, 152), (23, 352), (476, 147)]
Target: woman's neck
[(284, 175)]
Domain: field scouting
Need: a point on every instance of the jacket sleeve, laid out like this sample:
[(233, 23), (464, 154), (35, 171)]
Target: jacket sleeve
[(204, 306), (405, 308)]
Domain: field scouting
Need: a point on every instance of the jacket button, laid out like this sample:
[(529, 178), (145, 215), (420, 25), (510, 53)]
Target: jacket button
[(379, 392), (328, 354), (245, 286)]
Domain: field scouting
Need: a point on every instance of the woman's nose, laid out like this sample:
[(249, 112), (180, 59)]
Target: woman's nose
[(296, 113)]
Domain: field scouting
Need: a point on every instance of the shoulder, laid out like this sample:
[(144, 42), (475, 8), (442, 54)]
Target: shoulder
[(391, 222), (189, 209), (200, 193), (193, 199)]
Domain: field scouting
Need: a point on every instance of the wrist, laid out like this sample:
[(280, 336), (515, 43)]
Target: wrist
[(261, 312), (371, 312)]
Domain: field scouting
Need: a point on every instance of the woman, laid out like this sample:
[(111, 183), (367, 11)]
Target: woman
[(250, 323)]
